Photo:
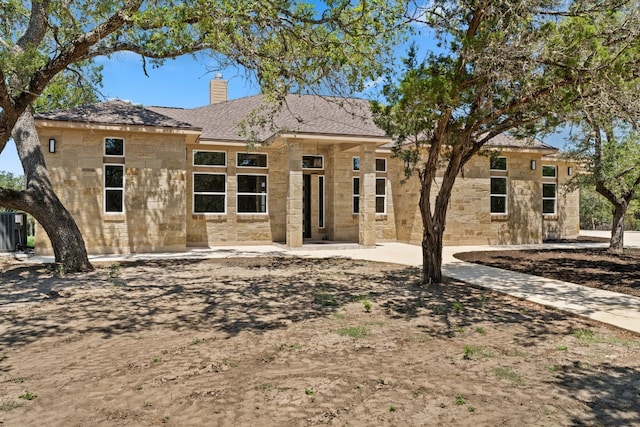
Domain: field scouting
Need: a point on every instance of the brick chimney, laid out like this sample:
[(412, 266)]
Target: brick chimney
[(217, 89)]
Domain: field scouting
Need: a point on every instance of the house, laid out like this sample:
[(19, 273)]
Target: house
[(148, 179)]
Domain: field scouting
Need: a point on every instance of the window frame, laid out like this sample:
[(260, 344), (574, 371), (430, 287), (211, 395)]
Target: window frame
[(320, 156), (266, 160), (355, 196), (105, 188), (506, 164), (208, 193), (554, 198), (548, 167), (384, 159), (505, 196), (239, 193), (104, 147), (321, 202), (382, 196), (354, 160), (193, 158)]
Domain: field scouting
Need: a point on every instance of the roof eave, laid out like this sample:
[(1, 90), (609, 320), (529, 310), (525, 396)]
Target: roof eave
[(64, 124)]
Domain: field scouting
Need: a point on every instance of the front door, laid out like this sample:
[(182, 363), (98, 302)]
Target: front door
[(306, 206)]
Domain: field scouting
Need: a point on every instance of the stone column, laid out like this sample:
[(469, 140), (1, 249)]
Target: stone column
[(294, 195), (367, 217)]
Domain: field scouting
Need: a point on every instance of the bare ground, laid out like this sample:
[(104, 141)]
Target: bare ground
[(290, 341), (595, 268)]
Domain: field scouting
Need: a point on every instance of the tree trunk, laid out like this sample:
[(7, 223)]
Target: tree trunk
[(616, 244), (42, 203), (434, 223), (431, 256)]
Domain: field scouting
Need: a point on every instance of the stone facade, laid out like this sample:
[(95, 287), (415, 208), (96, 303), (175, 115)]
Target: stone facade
[(182, 187), (469, 217), (155, 182), (330, 208)]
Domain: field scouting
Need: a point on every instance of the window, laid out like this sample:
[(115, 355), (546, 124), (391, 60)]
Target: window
[(356, 163), (312, 162), (209, 193), (356, 195), (114, 188), (381, 165), (209, 158), (114, 147), (251, 160), (252, 193), (498, 163), (548, 198), (320, 201), (499, 195), (381, 195), (549, 171)]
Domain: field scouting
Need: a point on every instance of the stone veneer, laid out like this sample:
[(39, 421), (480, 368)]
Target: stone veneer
[(159, 198), (154, 195), (469, 219)]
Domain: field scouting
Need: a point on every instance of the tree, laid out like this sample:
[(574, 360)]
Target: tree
[(595, 210), (611, 150), (510, 66), (289, 45), (9, 180)]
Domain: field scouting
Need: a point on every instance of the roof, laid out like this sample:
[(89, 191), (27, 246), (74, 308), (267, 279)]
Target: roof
[(301, 114), (115, 112), (504, 140)]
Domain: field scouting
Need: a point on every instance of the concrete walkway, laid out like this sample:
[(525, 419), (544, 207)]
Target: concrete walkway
[(613, 308)]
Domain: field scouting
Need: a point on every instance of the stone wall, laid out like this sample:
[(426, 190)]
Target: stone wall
[(154, 192), (340, 223), (159, 198), (469, 217)]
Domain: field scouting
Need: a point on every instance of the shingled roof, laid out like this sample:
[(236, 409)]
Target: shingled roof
[(115, 112), (301, 114), (507, 141)]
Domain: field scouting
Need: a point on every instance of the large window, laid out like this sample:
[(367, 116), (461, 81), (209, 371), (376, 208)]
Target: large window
[(498, 195), (356, 195), (209, 193), (209, 158), (381, 195), (252, 193), (114, 147), (548, 171), (381, 165), (114, 188), (251, 160), (548, 198), (312, 162), (498, 163)]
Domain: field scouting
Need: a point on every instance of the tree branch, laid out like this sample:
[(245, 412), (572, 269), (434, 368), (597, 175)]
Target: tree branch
[(37, 27), (72, 51)]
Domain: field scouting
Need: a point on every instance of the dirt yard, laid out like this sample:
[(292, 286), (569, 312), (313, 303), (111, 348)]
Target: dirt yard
[(297, 342), (589, 267)]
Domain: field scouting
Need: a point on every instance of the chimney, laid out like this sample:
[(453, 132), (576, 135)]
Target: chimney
[(217, 89)]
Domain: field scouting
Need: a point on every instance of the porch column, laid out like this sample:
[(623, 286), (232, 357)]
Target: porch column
[(294, 195), (367, 217)]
